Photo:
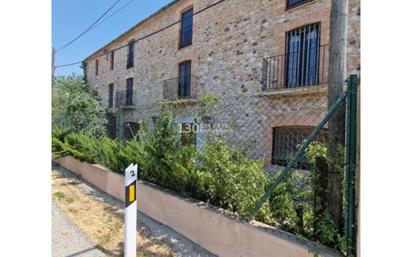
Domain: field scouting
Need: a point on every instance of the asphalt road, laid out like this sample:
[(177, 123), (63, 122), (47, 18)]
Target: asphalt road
[(68, 239)]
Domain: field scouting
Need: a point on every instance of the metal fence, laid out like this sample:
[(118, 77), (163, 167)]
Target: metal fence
[(289, 133), (299, 68), (184, 87), (126, 98)]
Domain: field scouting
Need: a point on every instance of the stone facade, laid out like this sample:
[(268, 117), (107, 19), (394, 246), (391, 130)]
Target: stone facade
[(230, 41)]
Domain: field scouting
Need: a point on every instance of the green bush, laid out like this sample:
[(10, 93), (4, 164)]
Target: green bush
[(219, 174), (160, 146), (231, 180), (110, 154), (83, 147), (282, 207), (76, 107)]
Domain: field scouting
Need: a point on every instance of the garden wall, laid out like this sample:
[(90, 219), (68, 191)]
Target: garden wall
[(212, 229)]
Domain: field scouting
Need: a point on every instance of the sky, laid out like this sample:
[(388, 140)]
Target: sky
[(72, 17)]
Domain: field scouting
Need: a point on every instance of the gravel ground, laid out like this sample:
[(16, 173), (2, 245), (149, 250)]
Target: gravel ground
[(68, 239), (180, 245)]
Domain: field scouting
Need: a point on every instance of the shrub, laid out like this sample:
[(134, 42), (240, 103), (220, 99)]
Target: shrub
[(159, 145), (183, 175), (83, 147), (282, 206), (109, 154), (232, 181), (76, 107), (219, 174)]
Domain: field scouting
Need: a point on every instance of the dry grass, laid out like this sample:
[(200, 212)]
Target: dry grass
[(101, 221)]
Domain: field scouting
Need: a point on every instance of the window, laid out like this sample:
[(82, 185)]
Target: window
[(185, 72), (294, 3), (302, 56), (188, 133), (286, 141), (111, 126), (97, 67), (111, 92), (130, 55), (129, 92), (186, 29), (131, 130), (111, 60)]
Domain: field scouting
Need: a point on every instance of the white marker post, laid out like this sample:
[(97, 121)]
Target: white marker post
[(130, 212)]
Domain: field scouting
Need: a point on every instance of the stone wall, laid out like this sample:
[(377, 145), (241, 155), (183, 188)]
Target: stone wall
[(230, 41)]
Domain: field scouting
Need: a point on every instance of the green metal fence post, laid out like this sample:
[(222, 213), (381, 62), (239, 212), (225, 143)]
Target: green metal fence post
[(298, 155), (350, 224)]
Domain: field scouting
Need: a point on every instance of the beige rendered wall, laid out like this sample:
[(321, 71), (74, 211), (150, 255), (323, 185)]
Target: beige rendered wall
[(220, 234)]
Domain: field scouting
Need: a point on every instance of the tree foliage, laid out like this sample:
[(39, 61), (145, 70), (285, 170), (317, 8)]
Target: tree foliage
[(76, 107)]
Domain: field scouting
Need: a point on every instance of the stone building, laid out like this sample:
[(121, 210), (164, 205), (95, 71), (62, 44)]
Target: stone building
[(266, 61)]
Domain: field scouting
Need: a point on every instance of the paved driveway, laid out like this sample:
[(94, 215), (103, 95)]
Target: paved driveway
[(68, 239)]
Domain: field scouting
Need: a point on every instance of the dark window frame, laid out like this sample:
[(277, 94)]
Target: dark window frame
[(130, 55), (111, 125), (129, 92), (299, 82), (112, 60), (293, 5), (185, 81), (96, 66), (111, 95), (186, 26)]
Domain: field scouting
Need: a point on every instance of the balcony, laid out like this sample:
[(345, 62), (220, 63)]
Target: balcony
[(298, 69), (126, 99), (181, 88)]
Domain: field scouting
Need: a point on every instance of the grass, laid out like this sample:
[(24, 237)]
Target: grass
[(102, 222), (59, 195)]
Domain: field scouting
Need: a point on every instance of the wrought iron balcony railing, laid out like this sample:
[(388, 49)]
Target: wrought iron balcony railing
[(306, 67), (185, 87), (126, 98)]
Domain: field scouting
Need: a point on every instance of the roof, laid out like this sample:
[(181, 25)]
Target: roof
[(135, 26)]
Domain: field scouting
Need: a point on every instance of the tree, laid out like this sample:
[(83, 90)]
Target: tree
[(76, 107), (336, 125)]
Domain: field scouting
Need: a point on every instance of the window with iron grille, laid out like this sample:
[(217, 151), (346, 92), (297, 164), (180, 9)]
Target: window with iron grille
[(111, 92), (130, 55), (131, 130), (129, 92), (302, 56), (286, 142), (294, 3), (185, 79), (186, 29), (111, 60), (188, 133), (96, 67)]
